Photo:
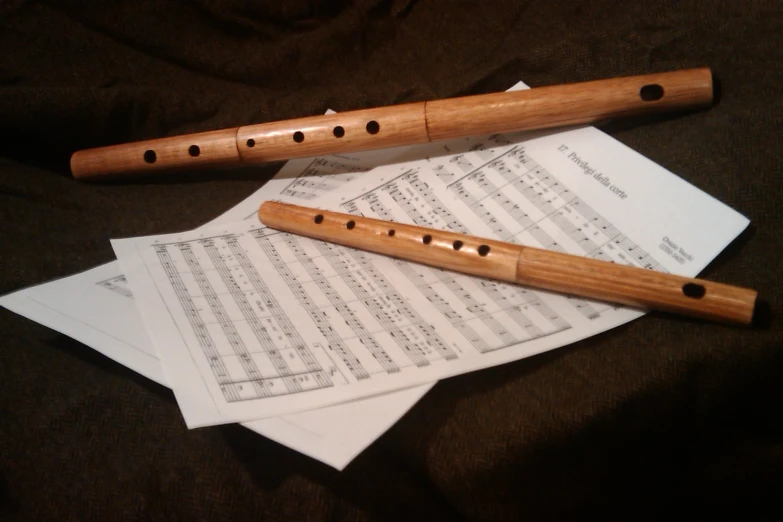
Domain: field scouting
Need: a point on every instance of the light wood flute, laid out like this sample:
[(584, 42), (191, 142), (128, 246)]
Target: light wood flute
[(537, 268), (404, 124)]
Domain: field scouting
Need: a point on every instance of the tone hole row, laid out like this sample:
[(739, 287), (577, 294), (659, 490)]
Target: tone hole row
[(151, 157), (483, 250), (372, 127)]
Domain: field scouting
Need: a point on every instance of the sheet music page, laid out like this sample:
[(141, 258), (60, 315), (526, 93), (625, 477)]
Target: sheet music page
[(80, 307), (253, 322), (96, 308)]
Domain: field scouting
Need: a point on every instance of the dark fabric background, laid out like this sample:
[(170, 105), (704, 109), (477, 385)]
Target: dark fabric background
[(663, 418)]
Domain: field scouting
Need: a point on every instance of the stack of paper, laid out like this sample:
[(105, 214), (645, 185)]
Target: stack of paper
[(321, 347)]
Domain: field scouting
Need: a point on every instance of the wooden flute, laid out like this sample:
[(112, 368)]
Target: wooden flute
[(403, 124), (512, 263)]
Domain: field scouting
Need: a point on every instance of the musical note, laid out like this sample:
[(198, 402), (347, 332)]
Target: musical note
[(335, 342)]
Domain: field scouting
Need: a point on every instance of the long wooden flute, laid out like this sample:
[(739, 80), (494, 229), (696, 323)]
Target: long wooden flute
[(512, 263), (404, 124)]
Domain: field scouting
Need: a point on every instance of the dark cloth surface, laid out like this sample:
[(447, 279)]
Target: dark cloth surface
[(662, 418)]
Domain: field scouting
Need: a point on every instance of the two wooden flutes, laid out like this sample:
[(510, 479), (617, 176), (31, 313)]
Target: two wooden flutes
[(404, 124), (512, 263)]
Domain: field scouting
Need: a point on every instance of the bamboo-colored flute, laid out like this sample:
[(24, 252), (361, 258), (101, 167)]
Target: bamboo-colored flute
[(403, 124), (512, 263)]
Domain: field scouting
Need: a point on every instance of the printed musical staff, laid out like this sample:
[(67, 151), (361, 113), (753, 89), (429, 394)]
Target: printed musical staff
[(498, 140), (250, 369), (118, 284), (305, 300), (405, 335), (408, 204), (522, 202), (386, 315), (321, 176), (265, 294), (462, 163), (442, 305), (291, 381), (481, 150), (336, 301), (437, 207), (245, 368), (620, 249), (443, 173), (205, 341), (483, 315)]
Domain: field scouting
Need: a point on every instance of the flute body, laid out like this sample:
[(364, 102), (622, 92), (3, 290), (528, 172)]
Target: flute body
[(513, 263), (404, 124)]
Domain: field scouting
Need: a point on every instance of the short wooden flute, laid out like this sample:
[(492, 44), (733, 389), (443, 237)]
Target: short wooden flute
[(403, 124), (537, 268)]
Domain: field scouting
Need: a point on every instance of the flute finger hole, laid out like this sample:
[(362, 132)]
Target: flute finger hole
[(150, 156), (427, 239), (457, 244), (339, 132), (350, 225), (694, 290), (298, 136), (319, 219), (194, 150), (391, 232), (652, 92), (483, 250), (373, 127), (251, 142)]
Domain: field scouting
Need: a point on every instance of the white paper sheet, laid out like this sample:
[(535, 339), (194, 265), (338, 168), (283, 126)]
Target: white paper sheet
[(254, 323), (96, 308), (110, 323), (334, 435)]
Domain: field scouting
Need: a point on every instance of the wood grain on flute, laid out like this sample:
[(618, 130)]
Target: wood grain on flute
[(537, 268), (404, 124)]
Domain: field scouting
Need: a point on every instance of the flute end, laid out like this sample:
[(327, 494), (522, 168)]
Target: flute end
[(265, 209), (76, 163), (762, 315), (717, 90)]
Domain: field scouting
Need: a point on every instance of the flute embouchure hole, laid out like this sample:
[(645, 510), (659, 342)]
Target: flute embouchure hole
[(373, 127), (694, 290), (427, 239), (391, 232), (652, 92), (298, 137), (319, 219), (350, 225), (483, 250), (339, 132), (251, 142), (150, 156), (194, 150), (457, 244)]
